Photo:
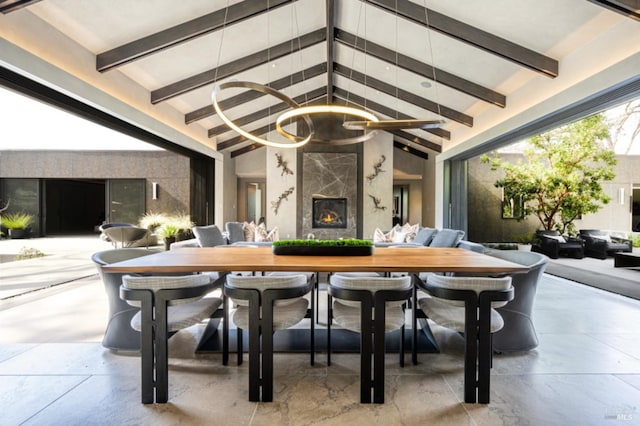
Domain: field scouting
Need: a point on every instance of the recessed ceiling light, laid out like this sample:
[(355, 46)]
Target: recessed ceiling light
[(426, 84)]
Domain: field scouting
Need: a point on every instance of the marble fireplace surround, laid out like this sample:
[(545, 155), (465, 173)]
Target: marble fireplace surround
[(330, 175)]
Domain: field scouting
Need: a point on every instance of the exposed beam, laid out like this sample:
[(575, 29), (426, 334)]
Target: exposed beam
[(251, 95), (471, 35), (330, 48), (8, 6), (351, 98), (420, 68), (404, 95), (628, 8), (186, 31), (266, 112), (260, 131), (246, 149), (410, 150), (234, 67), (425, 143)]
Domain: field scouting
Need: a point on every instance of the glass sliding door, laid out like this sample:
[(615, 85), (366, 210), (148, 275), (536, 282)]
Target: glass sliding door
[(126, 200)]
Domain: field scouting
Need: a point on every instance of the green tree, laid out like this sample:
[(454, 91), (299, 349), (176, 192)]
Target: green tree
[(561, 179)]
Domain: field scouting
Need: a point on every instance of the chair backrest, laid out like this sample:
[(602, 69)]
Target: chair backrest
[(155, 283), (209, 236), (524, 283), (235, 232), (107, 257), (477, 284), (372, 284), (268, 282)]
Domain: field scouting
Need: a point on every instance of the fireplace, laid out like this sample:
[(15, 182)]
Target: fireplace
[(329, 213)]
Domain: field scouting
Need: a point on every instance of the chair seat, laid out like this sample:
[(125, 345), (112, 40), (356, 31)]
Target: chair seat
[(185, 315), (284, 316), (348, 316), (451, 316)]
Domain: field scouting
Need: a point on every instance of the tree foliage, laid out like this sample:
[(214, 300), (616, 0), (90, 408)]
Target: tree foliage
[(561, 179)]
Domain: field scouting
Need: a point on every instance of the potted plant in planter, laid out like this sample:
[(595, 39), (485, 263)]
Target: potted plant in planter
[(169, 232), (17, 224), (525, 240)]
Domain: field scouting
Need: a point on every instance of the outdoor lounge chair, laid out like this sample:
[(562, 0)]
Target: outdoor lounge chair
[(555, 245), (600, 244)]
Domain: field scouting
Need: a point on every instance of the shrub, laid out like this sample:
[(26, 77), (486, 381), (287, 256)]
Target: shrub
[(28, 253), (16, 220)]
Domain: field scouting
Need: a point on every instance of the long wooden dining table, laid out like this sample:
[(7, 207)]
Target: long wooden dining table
[(232, 258)]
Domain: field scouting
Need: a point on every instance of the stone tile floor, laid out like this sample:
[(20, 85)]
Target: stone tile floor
[(53, 370)]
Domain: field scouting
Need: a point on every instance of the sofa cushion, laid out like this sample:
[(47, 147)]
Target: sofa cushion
[(410, 231), (380, 237), (261, 234), (235, 232), (209, 236), (249, 229), (424, 236), (446, 238)]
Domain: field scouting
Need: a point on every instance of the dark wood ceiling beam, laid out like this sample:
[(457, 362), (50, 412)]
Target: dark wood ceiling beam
[(416, 140), (186, 31), (246, 149), (8, 6), (412, 65), (260, 131), (350, 98), (404, 95), (628, 8), (251, 95), (330, 48), (470, 35), (266, 112), (235, 67), (406, 148)]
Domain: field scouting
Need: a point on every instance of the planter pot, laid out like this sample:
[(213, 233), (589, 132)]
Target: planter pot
[(524, 247), (304, 250), (17, 234), (168, 241)]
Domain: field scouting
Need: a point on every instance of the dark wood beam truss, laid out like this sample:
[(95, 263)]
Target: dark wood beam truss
[(330, 48), (628, 8), (251, 95), (235, 67), (420, 68), (8, 6), (470, 35), (404, 95), (406, 148), (186, 31)]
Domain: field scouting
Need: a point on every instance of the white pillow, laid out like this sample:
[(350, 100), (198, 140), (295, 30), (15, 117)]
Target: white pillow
[(410, 231), (262, 235), (399, 237), (249, 231), (559, 238), (606, 238), (381, 237)]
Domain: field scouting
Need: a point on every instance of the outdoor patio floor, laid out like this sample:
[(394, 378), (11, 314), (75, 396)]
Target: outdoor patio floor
[(53, 369)]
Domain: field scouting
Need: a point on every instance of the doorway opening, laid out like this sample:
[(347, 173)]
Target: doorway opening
[(74, 206)]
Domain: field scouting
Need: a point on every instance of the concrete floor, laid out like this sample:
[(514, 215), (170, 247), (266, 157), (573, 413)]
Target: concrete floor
[(53, 370)]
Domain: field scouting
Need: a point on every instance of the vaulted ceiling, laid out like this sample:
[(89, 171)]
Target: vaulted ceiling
[(459, 61)]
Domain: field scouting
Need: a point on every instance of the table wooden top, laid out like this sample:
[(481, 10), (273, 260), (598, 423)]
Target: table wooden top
[(384, 259)]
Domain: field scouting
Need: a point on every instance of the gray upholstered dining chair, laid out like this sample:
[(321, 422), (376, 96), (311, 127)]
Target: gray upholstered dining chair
[(371, 306), (519, 333), (467, 305), (167, 305), (267, 304), (118, 336)]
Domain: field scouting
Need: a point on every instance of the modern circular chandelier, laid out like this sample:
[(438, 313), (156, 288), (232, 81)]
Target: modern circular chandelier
[(305, 111), (297, 141)]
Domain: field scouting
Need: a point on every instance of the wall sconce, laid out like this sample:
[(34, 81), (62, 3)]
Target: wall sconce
[(621, 196), (154, 190)]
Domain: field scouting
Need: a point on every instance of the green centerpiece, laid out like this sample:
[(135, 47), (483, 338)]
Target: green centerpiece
[(344, 247)]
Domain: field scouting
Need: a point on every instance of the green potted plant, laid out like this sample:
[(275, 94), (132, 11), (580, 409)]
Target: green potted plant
[(343, 247), (17, 224), (169, 232), (525, 240)]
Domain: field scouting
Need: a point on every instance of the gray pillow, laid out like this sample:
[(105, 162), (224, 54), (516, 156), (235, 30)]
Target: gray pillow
[(447, 238), (208, 236), (235, 232), (424, 236)]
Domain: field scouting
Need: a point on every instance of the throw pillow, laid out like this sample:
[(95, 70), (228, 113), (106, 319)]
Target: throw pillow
[(410, 231), (249, 231), (424, 236), (606, 238), (447, 238), (208, 236), (558, 238), (261, 234), (381, 237), (399, 237)]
